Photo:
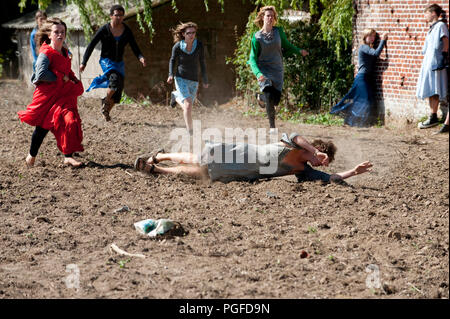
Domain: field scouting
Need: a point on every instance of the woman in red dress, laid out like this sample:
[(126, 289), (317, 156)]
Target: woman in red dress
[(54, 105)]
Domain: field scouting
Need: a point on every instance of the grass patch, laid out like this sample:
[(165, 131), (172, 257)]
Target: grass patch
[(298, 117), (125, 99)]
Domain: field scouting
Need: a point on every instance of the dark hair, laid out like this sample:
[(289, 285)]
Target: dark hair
[(42, 35), (40, 13), (116, 7), (325, 147), (434, 8)]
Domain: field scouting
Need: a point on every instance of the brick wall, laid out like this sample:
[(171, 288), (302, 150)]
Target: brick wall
[(218, 33), (399, 65)]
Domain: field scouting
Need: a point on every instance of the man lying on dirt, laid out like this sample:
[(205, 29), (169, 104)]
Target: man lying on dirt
[(249, 162)]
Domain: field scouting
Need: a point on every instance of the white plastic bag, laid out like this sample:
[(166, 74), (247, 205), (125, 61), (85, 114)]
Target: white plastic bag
[(152, 227)]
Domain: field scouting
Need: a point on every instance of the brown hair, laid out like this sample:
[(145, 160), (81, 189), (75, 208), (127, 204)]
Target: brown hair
[(325, 147), (434, 8), (259, 21), (40, 13), (42, 35), (180, 29), (366, 33)]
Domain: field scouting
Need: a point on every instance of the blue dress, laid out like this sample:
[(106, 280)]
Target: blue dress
[(433, 82), (358, 105)]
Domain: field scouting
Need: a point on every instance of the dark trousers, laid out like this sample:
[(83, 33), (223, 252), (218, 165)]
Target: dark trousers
[(36, 141), (272, 97)]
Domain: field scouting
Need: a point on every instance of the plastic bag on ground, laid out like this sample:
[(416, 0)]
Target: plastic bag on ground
[(152, 227)]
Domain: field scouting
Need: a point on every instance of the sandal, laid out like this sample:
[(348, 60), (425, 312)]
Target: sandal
[(141, 165), (153, 157)]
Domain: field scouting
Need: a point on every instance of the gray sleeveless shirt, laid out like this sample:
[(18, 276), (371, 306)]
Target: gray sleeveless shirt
[(270, 59), (241, 161)]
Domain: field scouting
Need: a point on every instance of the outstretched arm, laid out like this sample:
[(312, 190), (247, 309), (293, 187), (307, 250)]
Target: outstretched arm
[(357, 170), (90, 48), (288, 47)]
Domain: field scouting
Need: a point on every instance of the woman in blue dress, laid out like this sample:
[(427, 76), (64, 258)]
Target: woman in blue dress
[(433, 81), (187, 54), (359, 104)]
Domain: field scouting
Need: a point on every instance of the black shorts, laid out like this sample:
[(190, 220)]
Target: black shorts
[(275, 95), (116, 84)]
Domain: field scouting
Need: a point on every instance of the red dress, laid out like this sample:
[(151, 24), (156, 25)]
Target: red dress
[(54, 105)]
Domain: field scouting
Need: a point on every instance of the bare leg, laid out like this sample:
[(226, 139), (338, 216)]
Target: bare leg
[(187, 113), (181, 158), (434, 103), (432, 119), (107, 104), (194, 171), (445, 128), (109, 94)]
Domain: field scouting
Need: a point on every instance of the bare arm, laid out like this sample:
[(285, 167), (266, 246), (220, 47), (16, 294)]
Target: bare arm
[(303, 143), (445, 44), (357, 170)]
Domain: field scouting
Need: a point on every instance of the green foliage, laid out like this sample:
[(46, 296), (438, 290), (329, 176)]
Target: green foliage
[(336, 24), (125, 99), (314, 82), (92, 13), (319, 80), (296, 116), (43, 4), (123, 263)]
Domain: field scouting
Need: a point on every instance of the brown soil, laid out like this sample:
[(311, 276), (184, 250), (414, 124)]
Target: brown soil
[(241, 240)]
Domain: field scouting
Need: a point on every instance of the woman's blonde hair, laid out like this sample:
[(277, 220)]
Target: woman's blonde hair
[(180, 29), (366, 33), (42, 35), (259, 21)]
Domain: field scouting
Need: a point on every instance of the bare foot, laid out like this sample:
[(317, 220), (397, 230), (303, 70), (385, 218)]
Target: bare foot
[(30, 160), (71, 161)]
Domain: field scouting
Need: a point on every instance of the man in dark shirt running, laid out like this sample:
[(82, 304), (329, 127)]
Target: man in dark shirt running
[(114, 36)]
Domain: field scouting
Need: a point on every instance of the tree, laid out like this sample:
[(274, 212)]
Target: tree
[(92, 13)]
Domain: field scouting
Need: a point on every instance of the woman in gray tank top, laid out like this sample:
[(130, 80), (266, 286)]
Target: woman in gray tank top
[(269, 45), (227, 162)]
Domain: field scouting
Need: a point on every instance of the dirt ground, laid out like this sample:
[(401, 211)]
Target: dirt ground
[(384, 234)]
